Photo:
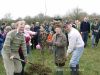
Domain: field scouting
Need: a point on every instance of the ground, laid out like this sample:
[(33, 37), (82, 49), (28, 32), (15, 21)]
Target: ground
[(89, 62)]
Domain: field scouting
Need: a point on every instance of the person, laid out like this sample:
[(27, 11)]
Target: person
[(3, 36), (75, 47), (28, 34), (14, 40), (95, 33), (32, 39), (42, 38), (59, 43), (85, 30), (2, 27), (6, 30), (1, 41), (36, 29)]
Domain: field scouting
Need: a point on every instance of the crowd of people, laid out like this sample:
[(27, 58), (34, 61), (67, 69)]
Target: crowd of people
[(61, 38)]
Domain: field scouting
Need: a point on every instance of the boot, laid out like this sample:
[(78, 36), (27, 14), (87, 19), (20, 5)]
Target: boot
[(77, 68), (17, 73), (59, 71), (73, 71), (22, 72)]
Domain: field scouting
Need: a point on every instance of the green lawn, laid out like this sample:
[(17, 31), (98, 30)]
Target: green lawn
[(89, 63)]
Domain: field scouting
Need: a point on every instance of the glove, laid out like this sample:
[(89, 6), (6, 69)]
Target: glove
[(25, 59)]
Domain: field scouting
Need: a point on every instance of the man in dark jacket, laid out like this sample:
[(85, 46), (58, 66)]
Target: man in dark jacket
[(85, 29)]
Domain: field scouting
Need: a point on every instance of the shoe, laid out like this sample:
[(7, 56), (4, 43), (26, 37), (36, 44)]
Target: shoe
[(74, 70)]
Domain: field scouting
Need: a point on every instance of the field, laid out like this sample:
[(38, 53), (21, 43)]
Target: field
[(89, 62)]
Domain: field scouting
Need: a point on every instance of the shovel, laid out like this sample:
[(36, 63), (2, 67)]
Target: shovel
[(23, 61), (37, 68)]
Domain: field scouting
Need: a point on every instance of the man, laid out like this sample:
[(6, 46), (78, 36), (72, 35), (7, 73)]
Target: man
[(36, 29), (85, 29), (75, 47), (14, 40)]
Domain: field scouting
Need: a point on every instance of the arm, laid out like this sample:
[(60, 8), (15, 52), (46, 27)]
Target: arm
[(81, 26), (72, 42), (7, 43), (88, 27), (32, 33)]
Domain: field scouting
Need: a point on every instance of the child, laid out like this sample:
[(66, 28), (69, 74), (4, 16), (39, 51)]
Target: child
[(28, 34)]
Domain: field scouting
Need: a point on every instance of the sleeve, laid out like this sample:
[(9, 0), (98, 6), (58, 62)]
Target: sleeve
[(72, 42), (32, 33), (81, 26), (7, 43), (92, 27), (88, 27)]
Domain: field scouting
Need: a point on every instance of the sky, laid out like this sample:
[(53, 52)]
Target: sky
[(22, 8)]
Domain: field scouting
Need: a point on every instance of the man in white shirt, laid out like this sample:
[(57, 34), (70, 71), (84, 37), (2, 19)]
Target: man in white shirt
[(75, 47)]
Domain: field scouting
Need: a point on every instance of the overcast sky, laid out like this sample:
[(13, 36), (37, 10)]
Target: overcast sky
[(22, 8)]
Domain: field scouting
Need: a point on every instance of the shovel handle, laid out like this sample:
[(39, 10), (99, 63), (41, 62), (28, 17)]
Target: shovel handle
[(19, 59), (23, 61)]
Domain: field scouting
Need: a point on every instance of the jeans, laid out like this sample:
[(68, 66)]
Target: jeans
[(85, 37), (76, 54), (1, 45), (93, 40), (28, 49)]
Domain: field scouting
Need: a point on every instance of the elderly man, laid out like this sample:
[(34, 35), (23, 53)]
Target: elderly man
[(14, 40), (75, 47)]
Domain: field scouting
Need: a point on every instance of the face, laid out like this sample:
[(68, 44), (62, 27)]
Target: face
[(27, 27), (86, 19), (21, 26), (58, 30), (67, 27)]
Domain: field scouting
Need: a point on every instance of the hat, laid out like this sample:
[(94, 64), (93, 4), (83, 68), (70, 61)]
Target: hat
[(57, 24), (58, 18)]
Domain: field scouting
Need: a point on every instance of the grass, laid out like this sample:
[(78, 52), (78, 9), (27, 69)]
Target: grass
[(89, 62)]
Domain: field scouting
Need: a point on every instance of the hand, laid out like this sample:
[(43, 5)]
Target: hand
[(57, 43), (12, 57), (25, 59), (96, 30), (81, 33), (67, 54), (35, 33)]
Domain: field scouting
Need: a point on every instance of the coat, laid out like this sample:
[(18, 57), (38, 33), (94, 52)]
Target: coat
[(59, 49)]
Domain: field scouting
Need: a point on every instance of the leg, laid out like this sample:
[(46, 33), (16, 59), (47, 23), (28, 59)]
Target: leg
[(97, 39), (23, 64), (85, 38), (17, 65), (28, 49), (77, 53), (32, 41), (8, 64), (93, 41)]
